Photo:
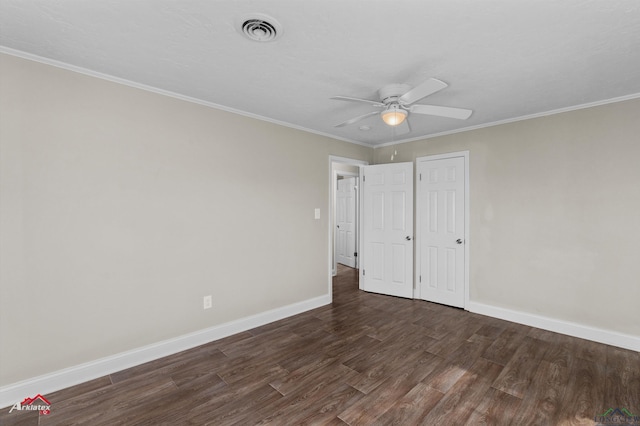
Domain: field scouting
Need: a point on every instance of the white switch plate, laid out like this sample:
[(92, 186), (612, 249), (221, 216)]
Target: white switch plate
[(207, 302), (317, 213)]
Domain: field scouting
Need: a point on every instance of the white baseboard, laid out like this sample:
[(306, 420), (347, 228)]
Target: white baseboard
[(599, 335), (51, 382)]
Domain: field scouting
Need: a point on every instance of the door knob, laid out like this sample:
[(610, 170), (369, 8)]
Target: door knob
[(408, 238), (459, 241)]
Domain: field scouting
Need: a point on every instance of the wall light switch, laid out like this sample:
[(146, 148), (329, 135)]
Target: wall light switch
[(206, 302), (317, 213)]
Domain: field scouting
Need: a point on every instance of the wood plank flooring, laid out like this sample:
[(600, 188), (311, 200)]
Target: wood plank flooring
[(366, 359)]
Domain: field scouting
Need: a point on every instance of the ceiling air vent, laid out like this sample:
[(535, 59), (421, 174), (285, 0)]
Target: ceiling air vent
[(260, 28)]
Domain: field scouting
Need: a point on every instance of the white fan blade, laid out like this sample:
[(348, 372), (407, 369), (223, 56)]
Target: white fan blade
[(425, 89), (367, 101), (441, 111), (356, 119)]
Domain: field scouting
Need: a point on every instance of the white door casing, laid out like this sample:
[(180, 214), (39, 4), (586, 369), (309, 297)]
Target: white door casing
[(387, 211), (441, 229), (346, 221)]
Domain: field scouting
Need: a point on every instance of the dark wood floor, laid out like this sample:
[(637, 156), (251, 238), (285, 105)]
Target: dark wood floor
[(366, 359)]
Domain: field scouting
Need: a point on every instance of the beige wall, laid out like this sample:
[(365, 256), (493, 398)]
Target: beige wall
[(121, 209), (555, 214)]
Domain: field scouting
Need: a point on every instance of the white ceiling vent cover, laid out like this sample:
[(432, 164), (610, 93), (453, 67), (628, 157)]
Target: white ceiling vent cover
[(259, 27)]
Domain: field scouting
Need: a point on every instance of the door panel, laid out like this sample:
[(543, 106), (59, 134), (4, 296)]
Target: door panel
[(388, 229), (399, 259), (378, 261), (440, 198)]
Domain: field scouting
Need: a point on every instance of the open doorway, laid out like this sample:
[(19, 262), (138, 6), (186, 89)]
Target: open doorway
[(342, 169), (345, 239)]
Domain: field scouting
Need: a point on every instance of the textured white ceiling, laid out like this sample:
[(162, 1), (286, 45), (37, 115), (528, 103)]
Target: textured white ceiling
[(503, 59)]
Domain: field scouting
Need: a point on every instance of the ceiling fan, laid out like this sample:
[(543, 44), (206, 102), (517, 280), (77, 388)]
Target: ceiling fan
[(398, 100)]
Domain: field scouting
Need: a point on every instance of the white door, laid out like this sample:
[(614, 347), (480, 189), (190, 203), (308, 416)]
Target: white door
[(387, 212), (346, 222), (440, 198)]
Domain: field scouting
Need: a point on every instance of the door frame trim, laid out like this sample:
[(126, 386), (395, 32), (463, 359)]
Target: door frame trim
[(467, 241)]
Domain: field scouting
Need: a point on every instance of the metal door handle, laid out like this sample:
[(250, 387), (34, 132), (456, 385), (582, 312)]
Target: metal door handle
[(459, 241), (408, 238)]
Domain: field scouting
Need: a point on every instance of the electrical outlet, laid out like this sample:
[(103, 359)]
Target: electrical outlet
[(207, 302)]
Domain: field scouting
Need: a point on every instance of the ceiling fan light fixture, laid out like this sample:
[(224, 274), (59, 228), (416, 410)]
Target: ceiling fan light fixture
[(393, 115)]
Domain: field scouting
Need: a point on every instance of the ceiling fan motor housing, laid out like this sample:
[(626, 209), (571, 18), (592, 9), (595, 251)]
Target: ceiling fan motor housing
[(392, 92)]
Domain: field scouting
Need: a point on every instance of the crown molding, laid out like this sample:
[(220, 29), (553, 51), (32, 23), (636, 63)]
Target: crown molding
[(125, 82), (516, 119)]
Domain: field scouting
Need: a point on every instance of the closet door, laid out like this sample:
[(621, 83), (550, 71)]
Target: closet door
[(440, 195)]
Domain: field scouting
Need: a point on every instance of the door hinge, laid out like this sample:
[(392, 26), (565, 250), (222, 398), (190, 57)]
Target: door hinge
[(419, 176), (355, 254), (420, 278), (364, 178), (363, 274)]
